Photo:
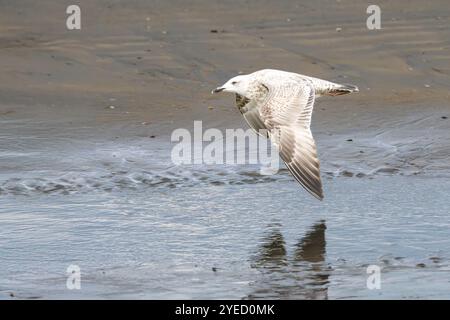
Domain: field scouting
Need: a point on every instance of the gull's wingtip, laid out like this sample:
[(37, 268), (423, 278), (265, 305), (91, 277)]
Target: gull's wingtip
[(319, 195)]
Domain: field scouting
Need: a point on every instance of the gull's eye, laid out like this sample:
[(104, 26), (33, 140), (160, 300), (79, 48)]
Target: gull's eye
[(234, 82)]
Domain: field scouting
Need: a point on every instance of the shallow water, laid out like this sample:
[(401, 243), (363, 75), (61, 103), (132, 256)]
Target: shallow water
[(263, 240)]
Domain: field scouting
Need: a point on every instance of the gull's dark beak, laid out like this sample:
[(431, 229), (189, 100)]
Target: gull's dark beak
[(217, 90)]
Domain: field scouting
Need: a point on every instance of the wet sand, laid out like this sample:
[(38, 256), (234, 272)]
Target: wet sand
[(156, 63), (91, 112)]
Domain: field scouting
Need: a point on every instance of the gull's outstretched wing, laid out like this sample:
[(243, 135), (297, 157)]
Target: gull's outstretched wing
[(287, 113), (298, 151)]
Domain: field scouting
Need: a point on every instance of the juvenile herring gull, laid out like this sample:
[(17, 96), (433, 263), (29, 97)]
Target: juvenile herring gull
[(278, 105)]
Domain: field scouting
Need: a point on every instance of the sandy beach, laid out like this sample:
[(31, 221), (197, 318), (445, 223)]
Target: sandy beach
[(157, 62), (86, 118)]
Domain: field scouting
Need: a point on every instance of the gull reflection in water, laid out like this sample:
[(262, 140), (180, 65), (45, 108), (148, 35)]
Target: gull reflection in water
[(300, 275)]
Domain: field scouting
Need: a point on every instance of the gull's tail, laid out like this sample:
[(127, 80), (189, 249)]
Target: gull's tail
[(342, 89), (328, 88)]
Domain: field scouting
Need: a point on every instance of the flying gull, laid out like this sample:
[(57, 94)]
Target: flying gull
[(278, 105)]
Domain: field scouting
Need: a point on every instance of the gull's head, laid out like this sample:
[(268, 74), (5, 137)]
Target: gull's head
[(237, 85)]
